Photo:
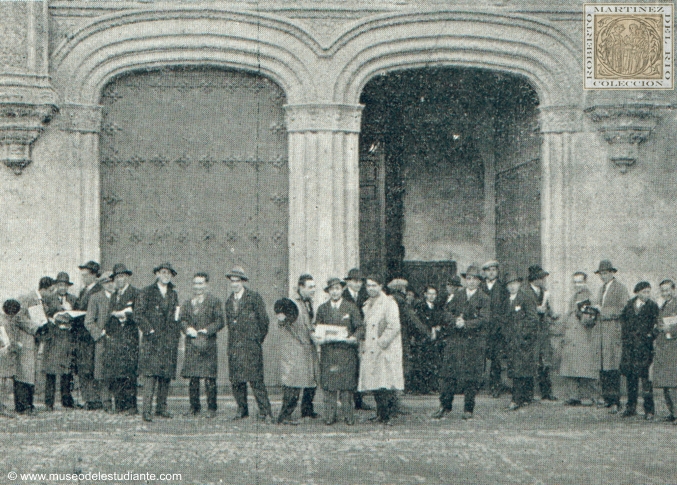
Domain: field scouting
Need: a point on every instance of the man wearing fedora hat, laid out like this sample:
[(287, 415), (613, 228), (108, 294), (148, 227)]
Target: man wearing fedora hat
[(157, 317), (83, 351), (247, 322), (58, 347), (611, 300), (339, 365), (463, 334), (498, 295), (539, 292), (122, 349), (356, 293)]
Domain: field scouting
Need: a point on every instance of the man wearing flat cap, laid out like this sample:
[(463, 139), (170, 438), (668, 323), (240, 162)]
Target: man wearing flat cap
[(463, 334), (498, 295), (83, 352), (339, 365), (58, 347), (611, 300), (122, 349), (539, 292), (247, 322), (356, 293), (157, 317)]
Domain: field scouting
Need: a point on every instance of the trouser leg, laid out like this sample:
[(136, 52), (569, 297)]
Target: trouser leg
[(358, 399), (544, 383), (670, 396), (261, 395), (586, 388), (346, 398), (520, 390), (633, 384), (307, 408), (125, 398), (381, 404), (106, 391), (50, 390), (149, 383), (470, 391), (647, 395), (495, 374), (162, 394), (447, 389), (330, 399), (240, 395), (194, 394), (610, 381), (67, 390), (210, 390), (290, 399), (90, 391), (20, 397)]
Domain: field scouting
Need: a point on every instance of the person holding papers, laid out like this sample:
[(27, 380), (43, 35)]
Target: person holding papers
[(58, 350), (338, 331), (665, 349), (30, 316)]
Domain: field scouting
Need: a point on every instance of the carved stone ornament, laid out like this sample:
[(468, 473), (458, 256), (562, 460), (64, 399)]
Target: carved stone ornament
[(323, 117), (20, 126), (624, 127)]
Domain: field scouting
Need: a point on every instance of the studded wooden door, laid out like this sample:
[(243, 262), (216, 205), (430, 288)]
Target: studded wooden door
[(194, 171)]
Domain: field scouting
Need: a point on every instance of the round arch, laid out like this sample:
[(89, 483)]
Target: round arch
[(535, 50)]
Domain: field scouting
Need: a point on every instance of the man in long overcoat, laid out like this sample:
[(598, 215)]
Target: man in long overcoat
[(381, 369), (122, 345), (638, 322), (57, 354), (299, 366), (356, 293), (426, 373), (498, 295), (613, 296), (96, 320), (201, 319), (247, 323), (156, 316), (339, 362), (665, 348), (538, 290), (520, 331), (580, 354), (83, 345), (464, 339)]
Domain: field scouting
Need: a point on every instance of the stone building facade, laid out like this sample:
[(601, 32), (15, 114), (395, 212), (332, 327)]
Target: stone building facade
[(312, 136)]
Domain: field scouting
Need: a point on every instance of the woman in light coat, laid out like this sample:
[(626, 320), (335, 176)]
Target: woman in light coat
[(381, 368)]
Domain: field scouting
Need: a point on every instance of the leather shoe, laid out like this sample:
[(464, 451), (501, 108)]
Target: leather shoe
[(649, 416), (513, 406), (191, 413), (163, 414), (441, 413), (628, 413), (329, 422), (364, 407), (147, 417), (572, 402), (312, 415), (467, 415), (238, 417), (210, 414), (265, 418), (350, 422), (668, 419), (549, 398), (613, 409), (289, 421)]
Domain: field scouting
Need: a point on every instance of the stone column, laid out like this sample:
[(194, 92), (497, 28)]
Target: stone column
[(558, 126), (81, 125), (27, 101), (324, 187)]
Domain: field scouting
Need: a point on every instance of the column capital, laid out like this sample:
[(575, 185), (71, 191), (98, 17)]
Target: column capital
[(20, 126), (344, 118), (560, 119), (80, 118)]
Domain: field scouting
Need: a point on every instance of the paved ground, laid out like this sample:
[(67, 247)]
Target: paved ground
[(546, 443)]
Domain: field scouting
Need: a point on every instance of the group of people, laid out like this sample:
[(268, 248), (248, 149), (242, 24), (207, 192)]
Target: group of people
[(367, 337)]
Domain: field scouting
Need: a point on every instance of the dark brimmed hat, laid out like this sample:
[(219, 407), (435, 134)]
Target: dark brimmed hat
[(490, 264), (642, 285), (92, 266), (167, 266), (605, 265), (473, 270), (121, 269), (237, 272), (454, 281), (45, 282), (11, 307), (288, 308), (511, 276), (536, 273), (63, 277), (334, 281), (354, 274), (106, 277)]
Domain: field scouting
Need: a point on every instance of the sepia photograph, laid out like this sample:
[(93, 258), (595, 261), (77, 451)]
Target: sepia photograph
[(337, 242)]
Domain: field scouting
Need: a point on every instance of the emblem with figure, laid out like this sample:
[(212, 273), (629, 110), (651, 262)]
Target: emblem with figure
[(628, 46)]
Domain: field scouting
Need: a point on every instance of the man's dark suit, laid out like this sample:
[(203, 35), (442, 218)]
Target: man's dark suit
[(58, 353), (83, 351), (498, 295), (545, 350)]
